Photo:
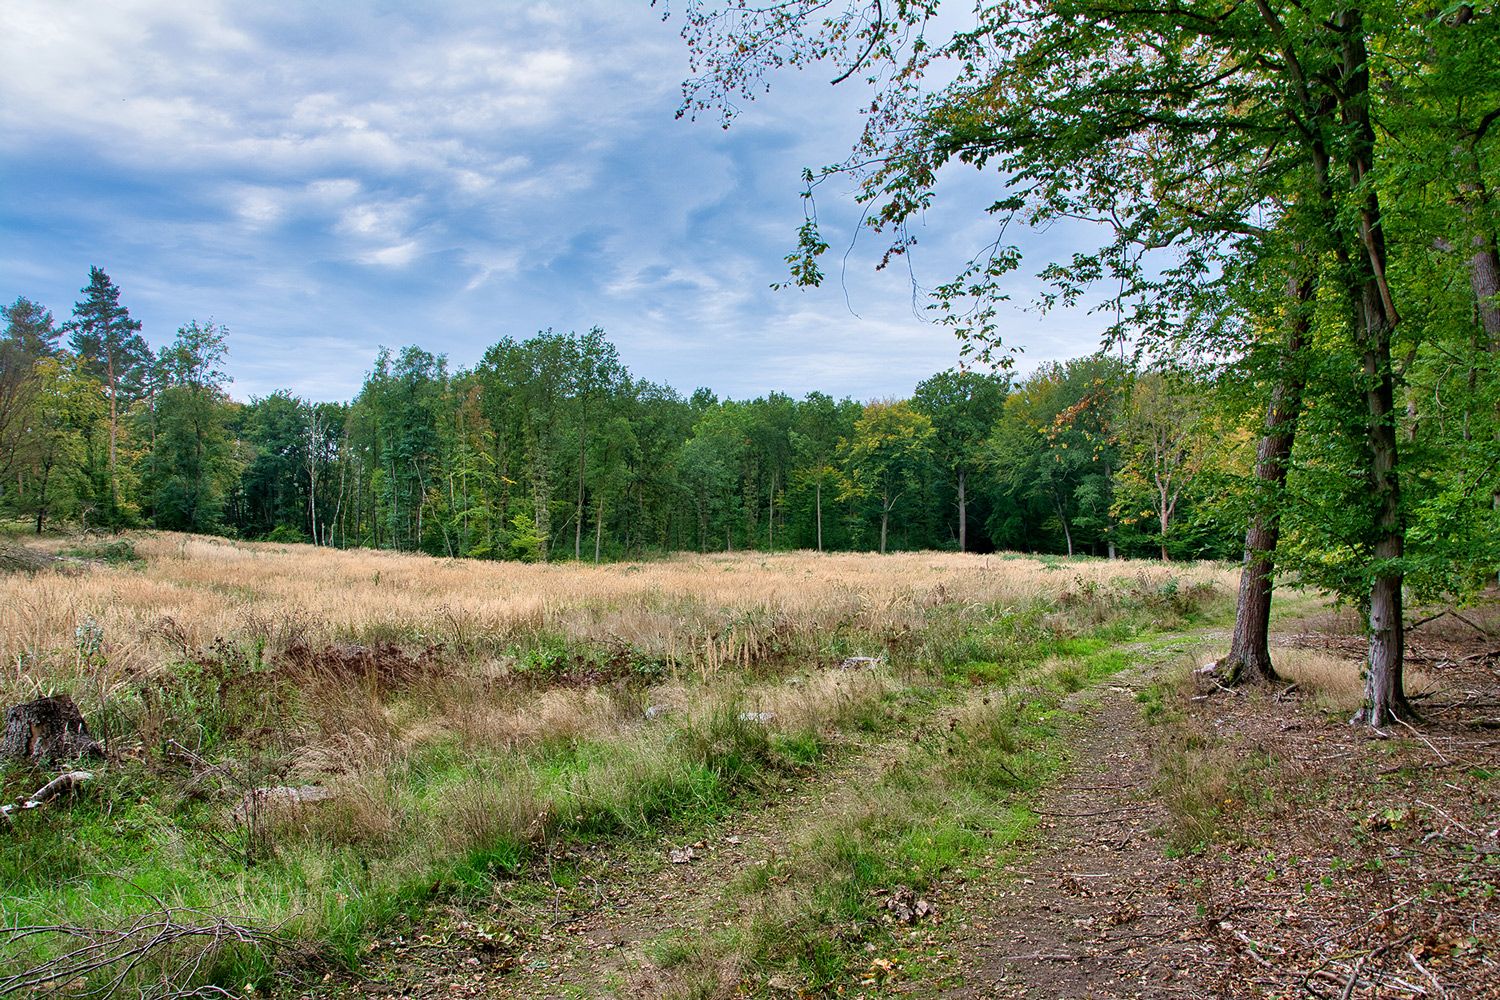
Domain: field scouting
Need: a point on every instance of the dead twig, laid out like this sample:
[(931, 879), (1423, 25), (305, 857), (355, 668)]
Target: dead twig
[(1412, 957), (1424, 739), (173, 943), (1353, 978), (58, 785)]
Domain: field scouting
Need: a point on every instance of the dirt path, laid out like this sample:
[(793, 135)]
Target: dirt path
[(621, 909), (1094, 911)]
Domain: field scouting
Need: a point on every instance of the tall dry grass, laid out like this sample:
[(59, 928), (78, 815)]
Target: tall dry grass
[(695, 615)]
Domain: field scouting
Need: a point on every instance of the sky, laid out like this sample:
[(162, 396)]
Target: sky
[(326, 177)]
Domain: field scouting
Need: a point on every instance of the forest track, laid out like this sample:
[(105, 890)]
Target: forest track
[(625, 902), (1093, 908), (1084, 913), (1318, 821)]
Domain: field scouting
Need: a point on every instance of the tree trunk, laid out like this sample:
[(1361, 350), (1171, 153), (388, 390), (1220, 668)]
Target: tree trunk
[(1249, 656), (48, 729), (1484, 278), (598, 527), (1385, 697), (771, 516), (963, 513), (114, 425), (885, 520), (583, 432), (818, 495), (1062, 517), (1109, 524)]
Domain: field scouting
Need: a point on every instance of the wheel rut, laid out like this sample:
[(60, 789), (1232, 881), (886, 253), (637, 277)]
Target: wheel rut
[(1092, 907)]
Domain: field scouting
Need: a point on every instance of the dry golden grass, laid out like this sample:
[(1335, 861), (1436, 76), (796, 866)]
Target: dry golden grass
[(1334, 681), (460, 710), (695, 614)]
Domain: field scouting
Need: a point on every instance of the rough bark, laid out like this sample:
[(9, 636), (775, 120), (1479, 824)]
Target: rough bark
[(1249, 658), (1484, 278), (47, 730), (1385, 697)]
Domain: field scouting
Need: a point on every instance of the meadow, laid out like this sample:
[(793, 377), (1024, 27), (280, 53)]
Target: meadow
[(465, 718)]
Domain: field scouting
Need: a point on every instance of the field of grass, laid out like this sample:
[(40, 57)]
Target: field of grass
[(466, 717)]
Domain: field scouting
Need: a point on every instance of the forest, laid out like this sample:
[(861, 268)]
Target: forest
[(550, 449)]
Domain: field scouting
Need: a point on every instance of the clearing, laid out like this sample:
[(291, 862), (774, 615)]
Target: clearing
[(924, 775)]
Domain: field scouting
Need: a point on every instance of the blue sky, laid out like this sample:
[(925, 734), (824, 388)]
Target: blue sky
[(326, 177)]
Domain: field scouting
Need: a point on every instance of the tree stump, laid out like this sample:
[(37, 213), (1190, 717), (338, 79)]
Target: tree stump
[(48, 729)]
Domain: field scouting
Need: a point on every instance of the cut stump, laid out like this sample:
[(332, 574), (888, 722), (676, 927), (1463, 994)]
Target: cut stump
[(47, 730)]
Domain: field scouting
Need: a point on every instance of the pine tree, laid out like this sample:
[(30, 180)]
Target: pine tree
[(102, 333)]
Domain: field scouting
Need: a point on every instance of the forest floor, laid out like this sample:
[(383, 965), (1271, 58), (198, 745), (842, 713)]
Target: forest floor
[(1199, 842)]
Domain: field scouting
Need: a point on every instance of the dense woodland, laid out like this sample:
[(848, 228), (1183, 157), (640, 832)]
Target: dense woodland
[(550, 449)]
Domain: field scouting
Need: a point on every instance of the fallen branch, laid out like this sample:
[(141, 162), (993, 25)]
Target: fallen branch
[(1353, 978), (172, 945), (1412, 957), (1471, 623), (1452, 614), (58, 785)]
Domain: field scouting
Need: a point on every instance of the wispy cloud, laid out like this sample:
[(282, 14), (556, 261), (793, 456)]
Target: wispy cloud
[(343, 176)]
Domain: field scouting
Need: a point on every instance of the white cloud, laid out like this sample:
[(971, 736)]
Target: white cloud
[(393, 256), (271, 163), (261, 206)]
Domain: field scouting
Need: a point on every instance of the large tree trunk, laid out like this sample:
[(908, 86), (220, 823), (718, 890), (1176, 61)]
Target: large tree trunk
[(1484, 278), (1249, 656), (1385, 697)]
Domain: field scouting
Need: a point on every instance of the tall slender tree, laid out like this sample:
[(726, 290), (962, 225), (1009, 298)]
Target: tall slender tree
[(963, 406), (102, 333)]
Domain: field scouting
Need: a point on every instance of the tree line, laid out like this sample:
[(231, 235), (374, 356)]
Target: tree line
[(549, 448)]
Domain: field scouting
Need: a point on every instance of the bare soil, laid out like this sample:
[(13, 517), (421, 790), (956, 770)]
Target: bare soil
[(1096, 908), (1339, 862)]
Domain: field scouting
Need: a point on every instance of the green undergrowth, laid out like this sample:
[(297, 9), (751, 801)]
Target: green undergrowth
[(445, 780), (435, 823)]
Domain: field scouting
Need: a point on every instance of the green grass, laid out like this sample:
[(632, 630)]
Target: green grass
[(960, 794)]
